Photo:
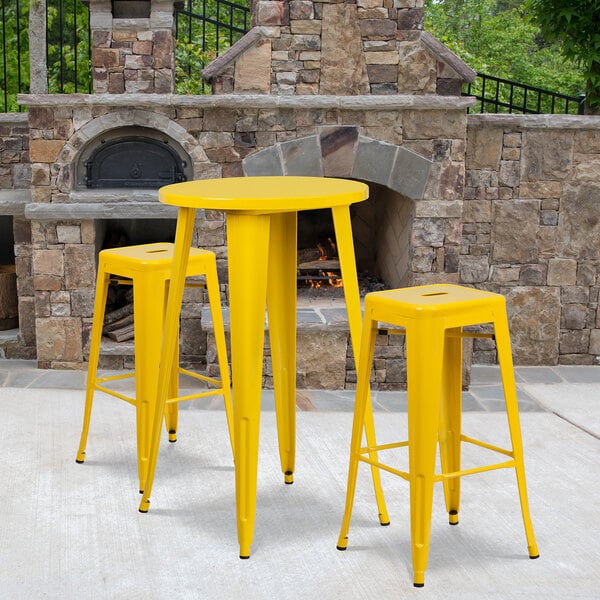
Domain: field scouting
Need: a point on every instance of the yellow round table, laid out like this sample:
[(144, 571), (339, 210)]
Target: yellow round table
[(262, 217)]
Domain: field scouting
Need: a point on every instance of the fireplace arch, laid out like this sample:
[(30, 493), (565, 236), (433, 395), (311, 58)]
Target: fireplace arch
[(397, 179)]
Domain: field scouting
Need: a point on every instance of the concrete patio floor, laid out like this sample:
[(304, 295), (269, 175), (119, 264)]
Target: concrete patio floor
[(74, 531)]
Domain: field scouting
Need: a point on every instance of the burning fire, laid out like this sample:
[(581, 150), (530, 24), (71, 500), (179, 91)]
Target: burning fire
[(331, 277)]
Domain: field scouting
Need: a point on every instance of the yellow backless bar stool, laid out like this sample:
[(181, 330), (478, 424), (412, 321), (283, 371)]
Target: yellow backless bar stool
[(148, 268), (432, 318)]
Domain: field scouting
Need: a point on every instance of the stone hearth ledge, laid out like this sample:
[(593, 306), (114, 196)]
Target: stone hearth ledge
[(103, 204), (13, 202)]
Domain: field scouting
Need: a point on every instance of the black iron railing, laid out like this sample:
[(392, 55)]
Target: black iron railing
[(496, 95), (14, 52), (204, 29), (68, 47)]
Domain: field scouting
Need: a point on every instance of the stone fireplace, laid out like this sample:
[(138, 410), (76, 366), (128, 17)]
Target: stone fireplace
[(336, 89)]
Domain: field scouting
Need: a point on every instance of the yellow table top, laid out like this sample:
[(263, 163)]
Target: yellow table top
[(264, 194)]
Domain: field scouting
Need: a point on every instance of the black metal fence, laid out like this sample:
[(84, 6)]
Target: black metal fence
[(204, 29), (67, 49), (14, 52), (496, 95)]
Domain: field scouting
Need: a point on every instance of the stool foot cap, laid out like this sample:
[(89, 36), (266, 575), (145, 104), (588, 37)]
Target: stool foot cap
[(385, 524), (453, 517), (243, 557), (79, 461), (80, 458), (534, 557), (341, 548), (289, 477), (144, 507), (419, 585)]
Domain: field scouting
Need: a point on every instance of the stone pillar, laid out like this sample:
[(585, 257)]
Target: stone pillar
[(38, 69), (132, 53)]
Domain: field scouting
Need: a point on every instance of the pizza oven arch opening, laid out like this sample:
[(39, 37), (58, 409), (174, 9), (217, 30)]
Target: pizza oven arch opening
[(132, 157)]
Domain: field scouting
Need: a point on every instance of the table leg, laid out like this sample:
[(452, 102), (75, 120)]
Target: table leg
[(181, 252), (248, 258), (281, 305), (345, 247)]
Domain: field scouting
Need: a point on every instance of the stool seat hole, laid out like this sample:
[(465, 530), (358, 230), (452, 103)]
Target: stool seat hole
[(435, 294), (162, 251)]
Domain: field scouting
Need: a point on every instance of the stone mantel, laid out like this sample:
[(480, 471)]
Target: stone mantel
[(241, 101)]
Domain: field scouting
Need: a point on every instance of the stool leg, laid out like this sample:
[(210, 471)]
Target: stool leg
[(102, 282), (367, 347), (512, 410), (281, 306), (345, 247), (424, 357), (172, 408), (183, 241), (147, 343), (214, 301), (450, 420)]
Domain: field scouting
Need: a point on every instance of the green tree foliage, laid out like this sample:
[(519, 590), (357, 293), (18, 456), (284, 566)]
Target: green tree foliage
[(575, 24), (496, 37)]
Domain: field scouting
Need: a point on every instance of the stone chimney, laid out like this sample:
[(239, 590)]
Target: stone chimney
[(133, 46), (338, 47)]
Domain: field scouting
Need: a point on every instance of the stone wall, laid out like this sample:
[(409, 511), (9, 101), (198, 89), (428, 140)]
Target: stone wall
[(15, 183), (531, 231), (14, 152), (377, 139)]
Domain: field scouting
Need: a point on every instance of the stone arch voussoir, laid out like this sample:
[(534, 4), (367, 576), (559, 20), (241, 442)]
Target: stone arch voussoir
[(343, 152)]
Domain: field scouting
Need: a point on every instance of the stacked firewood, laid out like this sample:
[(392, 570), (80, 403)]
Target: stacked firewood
[(118, 322)]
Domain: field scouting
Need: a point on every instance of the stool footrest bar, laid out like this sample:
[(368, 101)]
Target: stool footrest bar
[(115, 394), (384, 467), (481, 444), (195, 396), (206, 378)]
